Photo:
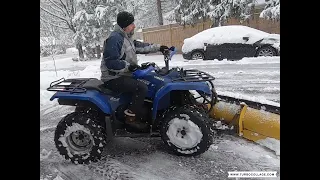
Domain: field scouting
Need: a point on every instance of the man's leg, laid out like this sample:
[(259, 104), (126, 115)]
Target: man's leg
[(137, 89)]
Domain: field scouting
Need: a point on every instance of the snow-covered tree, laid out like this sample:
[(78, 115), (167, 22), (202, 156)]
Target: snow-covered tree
[(190, 11), (222, 10), (94, 22), (271, 10), (168, 8), (145, 12), (56, 16), (168, 5)]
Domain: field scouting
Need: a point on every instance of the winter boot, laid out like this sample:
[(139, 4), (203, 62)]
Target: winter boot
[(132, 121)]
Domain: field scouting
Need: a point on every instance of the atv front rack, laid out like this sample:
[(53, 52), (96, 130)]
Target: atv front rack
[(68, 85), (193, 75)]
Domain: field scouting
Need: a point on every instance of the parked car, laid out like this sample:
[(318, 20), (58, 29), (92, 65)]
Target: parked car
[(231, 42)]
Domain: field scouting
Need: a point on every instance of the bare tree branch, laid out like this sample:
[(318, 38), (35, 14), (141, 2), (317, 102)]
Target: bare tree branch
[(73, 10), (56, 21), (48, 28), (66, 8), (56, 5), (41, 29), (57, 10), (68, 5), (45, 25), (53, 24), (57, 16)]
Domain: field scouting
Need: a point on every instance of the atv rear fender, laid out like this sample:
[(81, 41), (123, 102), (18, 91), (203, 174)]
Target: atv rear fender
[(94, 97)]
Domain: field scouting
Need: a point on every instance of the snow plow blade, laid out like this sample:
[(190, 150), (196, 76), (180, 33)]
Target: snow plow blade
[(253, 121)]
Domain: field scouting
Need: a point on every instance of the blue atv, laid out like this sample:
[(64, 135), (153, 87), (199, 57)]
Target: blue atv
[(172, 112)]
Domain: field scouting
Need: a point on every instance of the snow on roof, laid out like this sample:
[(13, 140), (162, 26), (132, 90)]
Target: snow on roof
[(223, 34)]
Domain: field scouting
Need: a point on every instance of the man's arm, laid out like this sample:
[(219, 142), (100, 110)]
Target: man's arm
[(112, 53), (145, 48)]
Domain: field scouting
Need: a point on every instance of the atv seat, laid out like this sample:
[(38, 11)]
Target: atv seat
[(95, 84)]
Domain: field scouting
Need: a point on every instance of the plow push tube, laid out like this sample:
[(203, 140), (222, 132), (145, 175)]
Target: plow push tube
[(253, 121)]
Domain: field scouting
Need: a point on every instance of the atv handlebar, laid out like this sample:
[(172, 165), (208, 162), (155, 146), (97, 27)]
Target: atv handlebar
[(150, 66)]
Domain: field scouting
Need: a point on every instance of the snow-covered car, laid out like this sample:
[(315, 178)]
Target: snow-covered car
[(231, 42)]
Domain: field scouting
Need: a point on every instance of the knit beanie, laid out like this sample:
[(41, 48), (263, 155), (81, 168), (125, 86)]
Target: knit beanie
[(124, 19)]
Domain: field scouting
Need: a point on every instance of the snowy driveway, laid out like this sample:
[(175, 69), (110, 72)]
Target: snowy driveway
[(253, 78)]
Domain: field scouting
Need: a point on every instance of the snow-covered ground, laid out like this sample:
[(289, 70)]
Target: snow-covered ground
[(255, 79)]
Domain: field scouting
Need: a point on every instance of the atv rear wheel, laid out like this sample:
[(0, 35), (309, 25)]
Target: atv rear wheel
[(80, 138), (187, 131)]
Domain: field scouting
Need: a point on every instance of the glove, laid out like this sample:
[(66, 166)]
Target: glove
[(133, 67), (172, 48), (147, 64), (163, 48)]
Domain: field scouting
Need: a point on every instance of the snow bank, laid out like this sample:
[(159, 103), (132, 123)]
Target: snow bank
[(71, 50), (271, 143), (66, 63), (46, 77), (259, 99), (45, 99), (223, 34), (177, 60)]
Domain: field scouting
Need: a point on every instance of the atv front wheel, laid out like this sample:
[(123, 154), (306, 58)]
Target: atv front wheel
[(187, 131), (80, 138)]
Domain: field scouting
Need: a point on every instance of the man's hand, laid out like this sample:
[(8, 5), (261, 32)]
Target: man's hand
[(133, 67), (172, 48), (166, 48), (163, 48)]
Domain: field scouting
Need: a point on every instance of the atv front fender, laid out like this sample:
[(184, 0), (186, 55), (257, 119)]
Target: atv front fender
[(197, 86), (94, 97)]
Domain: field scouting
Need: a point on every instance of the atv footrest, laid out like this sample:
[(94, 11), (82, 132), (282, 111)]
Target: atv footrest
[(124, 133)]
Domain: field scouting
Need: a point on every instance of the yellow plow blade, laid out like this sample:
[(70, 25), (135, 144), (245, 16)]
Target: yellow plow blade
[(250, 123)]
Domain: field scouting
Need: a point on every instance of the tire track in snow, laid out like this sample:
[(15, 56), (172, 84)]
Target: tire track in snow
[(144, 158), (49, 117)]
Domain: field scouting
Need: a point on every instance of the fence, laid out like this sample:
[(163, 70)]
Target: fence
[(174, 34)]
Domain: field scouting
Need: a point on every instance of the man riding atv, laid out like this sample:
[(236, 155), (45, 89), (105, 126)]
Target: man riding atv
[(120, 60)]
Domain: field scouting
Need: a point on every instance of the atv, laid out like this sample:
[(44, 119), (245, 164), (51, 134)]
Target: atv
[(172, 112)]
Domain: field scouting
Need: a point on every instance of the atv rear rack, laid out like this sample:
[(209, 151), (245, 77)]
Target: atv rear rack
[(68, 85), (194, 75)]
